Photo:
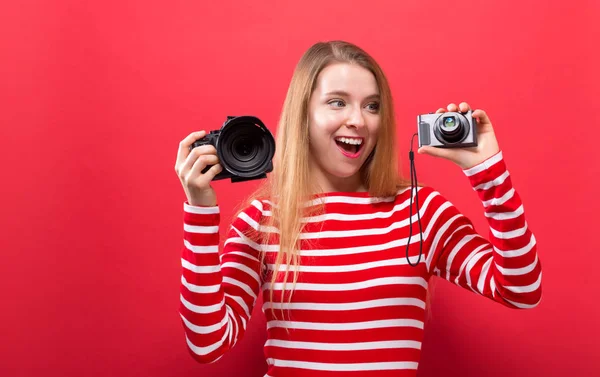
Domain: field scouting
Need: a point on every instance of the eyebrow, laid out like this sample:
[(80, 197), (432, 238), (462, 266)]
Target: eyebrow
[(345, 94)]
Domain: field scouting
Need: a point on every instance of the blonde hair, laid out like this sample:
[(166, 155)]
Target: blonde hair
[(289, 185)]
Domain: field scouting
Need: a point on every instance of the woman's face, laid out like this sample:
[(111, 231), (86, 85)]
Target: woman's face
[(345, 103)]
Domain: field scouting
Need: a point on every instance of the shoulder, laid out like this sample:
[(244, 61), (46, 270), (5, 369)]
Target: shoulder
[(421, 192), (252, 214), (427, 198)]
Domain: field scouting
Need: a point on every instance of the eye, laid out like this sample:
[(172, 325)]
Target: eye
[(373, 106), (336, 103)]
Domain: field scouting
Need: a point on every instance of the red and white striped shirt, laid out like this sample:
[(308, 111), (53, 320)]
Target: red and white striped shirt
[(358, 306)]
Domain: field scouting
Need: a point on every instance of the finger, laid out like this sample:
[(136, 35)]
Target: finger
[(205, 149), (184, 146), (201, 163), (196, 153), (452, 107), (440, 110), (481, 116), (464, 107), (213, 171)]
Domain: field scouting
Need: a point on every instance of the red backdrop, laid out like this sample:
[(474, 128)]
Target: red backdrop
[(95, 98)]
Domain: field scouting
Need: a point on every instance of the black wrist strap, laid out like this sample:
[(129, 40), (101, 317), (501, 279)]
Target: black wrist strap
[(413, 186)]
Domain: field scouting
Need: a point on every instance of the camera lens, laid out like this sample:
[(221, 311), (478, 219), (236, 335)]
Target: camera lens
[(243, 149), (451, 129), (246, 148), (449, 122)]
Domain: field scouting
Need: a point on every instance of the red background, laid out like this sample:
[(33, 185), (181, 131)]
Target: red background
[(95, 97)]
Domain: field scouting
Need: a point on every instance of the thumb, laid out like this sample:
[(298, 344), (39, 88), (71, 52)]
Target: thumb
[(436, 152)]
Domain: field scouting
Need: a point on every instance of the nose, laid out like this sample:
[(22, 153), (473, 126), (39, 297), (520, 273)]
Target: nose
[(355, 117)]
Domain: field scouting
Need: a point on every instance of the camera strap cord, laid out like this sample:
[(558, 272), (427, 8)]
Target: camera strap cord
[(413, 185)]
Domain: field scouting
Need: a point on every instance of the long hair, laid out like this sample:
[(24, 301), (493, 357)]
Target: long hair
[(289, 185)]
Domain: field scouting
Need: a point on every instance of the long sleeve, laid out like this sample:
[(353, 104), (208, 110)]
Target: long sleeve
[(504, 268), (218, 293)]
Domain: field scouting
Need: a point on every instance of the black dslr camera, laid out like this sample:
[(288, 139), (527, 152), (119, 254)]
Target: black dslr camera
[(448, 130), (245, 148)]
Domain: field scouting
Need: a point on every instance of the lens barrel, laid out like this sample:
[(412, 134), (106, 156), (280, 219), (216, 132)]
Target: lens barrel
[(451, 128), (245, 146)]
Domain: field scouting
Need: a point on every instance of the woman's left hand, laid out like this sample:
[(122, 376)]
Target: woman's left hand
[(487, 145)]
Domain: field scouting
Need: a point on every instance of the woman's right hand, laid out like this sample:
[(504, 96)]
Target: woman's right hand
[(189, 166)]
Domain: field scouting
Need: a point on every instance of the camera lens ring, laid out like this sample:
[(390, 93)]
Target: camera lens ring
[(261, 146), (455, 135)]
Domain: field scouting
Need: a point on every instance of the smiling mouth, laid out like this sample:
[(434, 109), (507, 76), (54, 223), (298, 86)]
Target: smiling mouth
[(350, 147)]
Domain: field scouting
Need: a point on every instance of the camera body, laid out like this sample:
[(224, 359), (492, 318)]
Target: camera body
[(447, 130), (245, 148)]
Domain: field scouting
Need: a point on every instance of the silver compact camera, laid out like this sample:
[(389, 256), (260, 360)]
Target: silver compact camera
[(447, 130)]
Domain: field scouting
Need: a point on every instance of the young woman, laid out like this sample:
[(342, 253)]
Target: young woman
[(325, 237)]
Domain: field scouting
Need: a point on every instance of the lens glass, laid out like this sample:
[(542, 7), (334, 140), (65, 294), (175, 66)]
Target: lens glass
[(244, 149), (450, 126), (449, 122)]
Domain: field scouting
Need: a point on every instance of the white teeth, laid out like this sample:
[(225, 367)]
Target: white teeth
[(349, 141)]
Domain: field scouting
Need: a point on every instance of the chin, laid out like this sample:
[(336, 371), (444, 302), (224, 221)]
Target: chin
[(344, 174)]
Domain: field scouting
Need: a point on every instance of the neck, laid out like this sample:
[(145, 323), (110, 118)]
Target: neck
[(324, 182)]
